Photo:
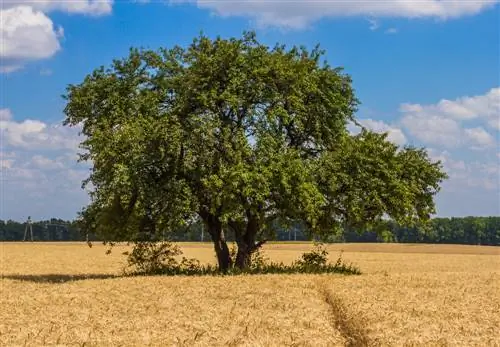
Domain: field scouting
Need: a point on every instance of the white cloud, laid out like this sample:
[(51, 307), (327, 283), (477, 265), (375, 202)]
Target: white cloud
[(479, 138), (392, 31), (464, 175), (36, 135), (394, 134), (434, 130), (26, 35), (34, 187), (42, 162), (485, 106), (443, 123), (301, 13), (454, 131), (92, 7), (40, 175)]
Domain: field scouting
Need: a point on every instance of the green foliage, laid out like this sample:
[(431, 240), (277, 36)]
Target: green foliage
[(386, 236), (317, 257), (316, 261), (364, 187), (258, 261), (237, 134), (161, 258), (153, 257)]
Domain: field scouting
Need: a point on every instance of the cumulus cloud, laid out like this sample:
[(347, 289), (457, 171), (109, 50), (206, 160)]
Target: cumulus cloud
[(479, 138), (461, 133), (473, 186), (446, 123), (301, 13), (485, 106), (433, 129), (42, 162), (34, 134), (40, 175), (41, 187), (457, 130), (482, 174), (27, 33), (394, 134)]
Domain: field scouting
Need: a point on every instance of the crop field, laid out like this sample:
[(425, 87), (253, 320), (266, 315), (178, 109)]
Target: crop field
[(67, 294)]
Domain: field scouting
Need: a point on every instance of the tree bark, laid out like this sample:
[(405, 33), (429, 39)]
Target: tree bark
[(214, 227), (246, 243), (243, 256)]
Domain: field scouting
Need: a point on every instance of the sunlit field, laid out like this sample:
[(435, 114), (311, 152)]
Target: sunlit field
[(415, 295)]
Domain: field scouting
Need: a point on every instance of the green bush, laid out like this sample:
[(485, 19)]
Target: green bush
[(150, 257), (160, 258), (318, 257)]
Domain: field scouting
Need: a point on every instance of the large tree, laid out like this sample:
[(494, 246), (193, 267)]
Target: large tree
[(237, 134)]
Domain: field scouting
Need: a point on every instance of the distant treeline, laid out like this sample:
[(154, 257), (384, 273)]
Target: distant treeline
[(467, 230), (46, 230)]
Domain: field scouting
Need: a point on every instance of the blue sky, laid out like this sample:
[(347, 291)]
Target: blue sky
[(427, 71)]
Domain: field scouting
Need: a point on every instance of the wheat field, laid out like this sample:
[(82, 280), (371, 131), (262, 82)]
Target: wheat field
[(67, 294)]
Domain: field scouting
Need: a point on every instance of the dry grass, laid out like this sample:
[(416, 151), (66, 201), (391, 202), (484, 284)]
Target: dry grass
[(65, 294), (350, 327)]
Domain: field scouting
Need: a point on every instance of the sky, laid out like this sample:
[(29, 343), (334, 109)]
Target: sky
[(426, 71)]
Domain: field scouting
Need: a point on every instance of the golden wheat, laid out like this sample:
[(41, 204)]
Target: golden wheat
[(425, 295)]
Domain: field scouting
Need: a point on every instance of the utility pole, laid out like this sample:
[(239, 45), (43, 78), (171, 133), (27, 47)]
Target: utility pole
[(29, 227)]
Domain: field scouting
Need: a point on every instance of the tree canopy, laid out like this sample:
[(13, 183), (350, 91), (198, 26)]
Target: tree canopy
[(237, 134)]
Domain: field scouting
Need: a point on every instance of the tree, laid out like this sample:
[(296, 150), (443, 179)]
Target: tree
[(236, 134)]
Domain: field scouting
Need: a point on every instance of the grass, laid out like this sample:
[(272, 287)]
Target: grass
[(414, 295)]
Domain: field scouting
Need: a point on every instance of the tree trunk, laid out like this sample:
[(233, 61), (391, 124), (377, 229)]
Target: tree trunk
[(243, 256), (222, 252), (214, 227), (246, 243)]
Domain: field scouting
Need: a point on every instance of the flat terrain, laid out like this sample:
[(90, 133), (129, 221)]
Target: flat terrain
[(415, 295)]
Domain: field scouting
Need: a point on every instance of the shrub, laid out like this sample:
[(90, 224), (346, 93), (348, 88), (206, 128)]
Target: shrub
[(149, 257), (318, 257), (154, 258)]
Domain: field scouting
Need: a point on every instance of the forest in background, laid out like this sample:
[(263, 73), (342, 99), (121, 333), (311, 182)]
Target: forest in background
[(464, 230)]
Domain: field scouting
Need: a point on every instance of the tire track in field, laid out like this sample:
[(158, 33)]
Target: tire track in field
[(350, 327)]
